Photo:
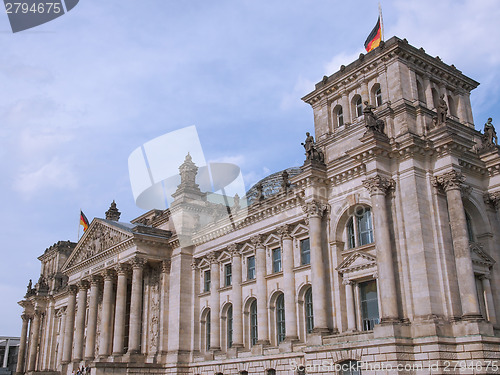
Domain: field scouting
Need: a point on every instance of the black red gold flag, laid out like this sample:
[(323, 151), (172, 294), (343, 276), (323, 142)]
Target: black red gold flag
[(373, 40), (84, 221)]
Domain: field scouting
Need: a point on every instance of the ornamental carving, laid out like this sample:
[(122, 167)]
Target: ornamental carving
[(452, 180), (315, 209), (122, 268), (137, 262), (256, 241), (101, 238), (379, 185), (234, 250), (212, 258), (166, 265), (154, 326), (284, 232), (492, 199)]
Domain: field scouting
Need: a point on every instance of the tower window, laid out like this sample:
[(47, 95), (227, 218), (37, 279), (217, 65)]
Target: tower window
[(280, 318), (359, 107), (369, 304), (253, 323), (308, 302), (305, 251), (228, 270), (277, 260), (360, 229), (340, 117), (251, 267), (378, 97), (206, 281)]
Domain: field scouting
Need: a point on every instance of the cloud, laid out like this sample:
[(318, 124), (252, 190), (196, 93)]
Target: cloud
[(339, 59), (292, 99), (57, 175)]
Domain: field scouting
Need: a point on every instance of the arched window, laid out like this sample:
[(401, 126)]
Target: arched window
[(435, 98), (308, 303), (451, 106), (244, 372), (253, 323), (271, 371), (229, 320), (207, 330), (359, 107), (280, 318), (360, 228), (350, 367), (378, 97), (470, 230)]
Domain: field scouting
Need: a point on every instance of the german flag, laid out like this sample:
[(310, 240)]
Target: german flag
[(374, 38), (84, 221)]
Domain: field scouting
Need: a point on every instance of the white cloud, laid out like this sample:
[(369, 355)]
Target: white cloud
[(56, 174), (292, 99), (339, 59)]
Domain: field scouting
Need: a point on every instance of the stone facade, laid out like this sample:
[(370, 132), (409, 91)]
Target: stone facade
[(383, 250)]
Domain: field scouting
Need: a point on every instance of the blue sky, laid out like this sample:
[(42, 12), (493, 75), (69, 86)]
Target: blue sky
[(79, 94)]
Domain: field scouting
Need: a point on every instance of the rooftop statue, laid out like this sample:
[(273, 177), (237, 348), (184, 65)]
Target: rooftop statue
[(372, 122), (313, 152), (442, 110), (490, 138)]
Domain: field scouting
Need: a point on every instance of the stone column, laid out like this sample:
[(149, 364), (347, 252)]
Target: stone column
[(378, 187), (165, 286), (214, 302), (488, 298), (49, 336), (452, 183), (107, 304), (136, 306), (346, 108), (70, 324), (80, 321), (315, 211), (120, 308), (349, 302), (236, 296), (260, 276), (92, 320), (289, 283), (60, 340), (6, 354), (34, 341), (22, 344)]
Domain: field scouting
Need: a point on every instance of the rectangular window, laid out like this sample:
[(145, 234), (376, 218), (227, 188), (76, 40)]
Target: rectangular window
[(369, 304), (206, 281), (228, 274), (305, 251), (277, 260), (251, 268)]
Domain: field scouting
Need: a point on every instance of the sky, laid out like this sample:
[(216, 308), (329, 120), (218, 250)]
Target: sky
[(80, 93)]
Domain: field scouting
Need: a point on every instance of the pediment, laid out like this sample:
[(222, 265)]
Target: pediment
[(357, 261), (99, 237), (246, 248), (271, 240), (479, 256), (300, 230)]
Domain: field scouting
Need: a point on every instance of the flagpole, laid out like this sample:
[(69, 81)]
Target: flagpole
[(381, 20), (79, 217)]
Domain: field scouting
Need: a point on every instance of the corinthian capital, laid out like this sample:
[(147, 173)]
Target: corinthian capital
[(212, 258), (315, 209), (452, 180), (284, 231), (492, 199), (256, 240), (234, 250), (379, 185)]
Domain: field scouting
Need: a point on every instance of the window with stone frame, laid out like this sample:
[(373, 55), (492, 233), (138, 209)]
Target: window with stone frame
[(338, 116), (470, 230), (378, 97), (369, 304), (229, 328), (276, 260), (206, 281), (308, 306), (350, 367), (253, 323), (305, 251), (228, 274), (251, 267), (280, 318), (207, 330), (360, 228)]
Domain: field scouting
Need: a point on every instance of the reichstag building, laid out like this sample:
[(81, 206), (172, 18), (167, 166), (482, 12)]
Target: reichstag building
[(380, 252)]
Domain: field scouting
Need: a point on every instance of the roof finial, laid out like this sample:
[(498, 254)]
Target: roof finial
[(113, 213)]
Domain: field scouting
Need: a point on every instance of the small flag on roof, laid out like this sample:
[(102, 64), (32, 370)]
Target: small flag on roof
[(84, 221), (373, 40)]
